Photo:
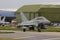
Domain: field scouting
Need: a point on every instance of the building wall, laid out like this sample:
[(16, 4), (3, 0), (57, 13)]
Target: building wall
[(29, 15), (8, 19), (54, 17), (53, 14)]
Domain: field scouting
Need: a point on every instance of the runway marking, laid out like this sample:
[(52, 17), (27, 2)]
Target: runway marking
[(52, 39), (24, 37)]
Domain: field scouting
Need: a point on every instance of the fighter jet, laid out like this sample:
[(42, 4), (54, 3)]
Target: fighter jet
[(35, 21)]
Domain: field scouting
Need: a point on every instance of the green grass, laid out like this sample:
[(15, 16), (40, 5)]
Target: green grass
[(8, 28), (48, 29), (51, 29), (6, 32), (9, 39)]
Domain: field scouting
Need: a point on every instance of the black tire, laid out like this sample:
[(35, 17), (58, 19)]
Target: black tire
[(24, 30), (39, 30)]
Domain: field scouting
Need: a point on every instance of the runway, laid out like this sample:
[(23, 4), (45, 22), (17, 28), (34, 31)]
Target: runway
[(32, 35)]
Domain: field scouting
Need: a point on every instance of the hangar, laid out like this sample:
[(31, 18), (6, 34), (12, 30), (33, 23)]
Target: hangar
[(51, 12), (10, 15)]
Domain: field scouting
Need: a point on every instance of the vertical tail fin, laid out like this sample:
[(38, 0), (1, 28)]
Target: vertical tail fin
[(0, 18), (3, 19), (23, 17)]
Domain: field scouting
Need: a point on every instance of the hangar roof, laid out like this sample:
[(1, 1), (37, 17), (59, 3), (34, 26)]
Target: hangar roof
[(50, 10), (29, 8), (35, 8)]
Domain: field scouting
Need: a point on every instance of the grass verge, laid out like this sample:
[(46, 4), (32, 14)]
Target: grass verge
[(51, 29), (9, 39), (6, 32), (48, 29), (9, 28)]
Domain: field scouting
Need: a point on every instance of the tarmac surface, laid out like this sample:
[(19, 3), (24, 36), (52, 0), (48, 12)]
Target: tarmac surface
[(32, 35)]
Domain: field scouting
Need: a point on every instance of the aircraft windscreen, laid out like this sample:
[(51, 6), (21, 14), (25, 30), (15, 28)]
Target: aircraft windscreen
[(39, 19)]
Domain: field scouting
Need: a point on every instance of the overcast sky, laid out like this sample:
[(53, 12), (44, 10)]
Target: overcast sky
[(18, 3)]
